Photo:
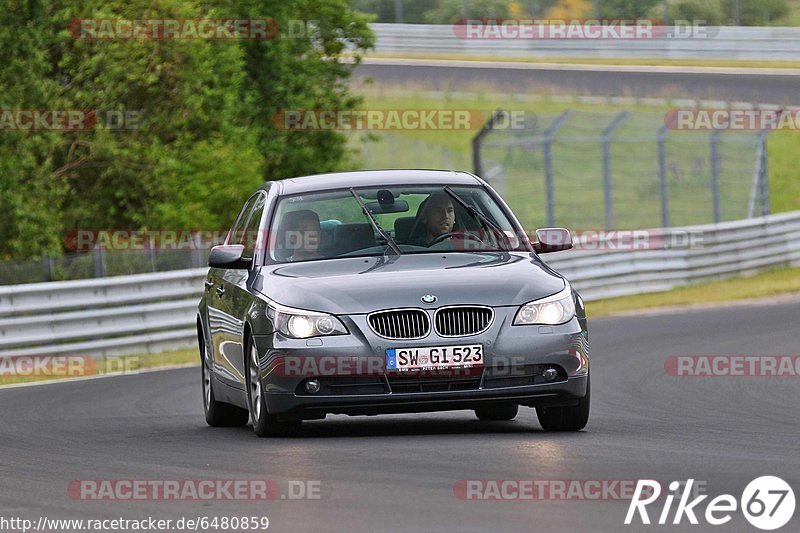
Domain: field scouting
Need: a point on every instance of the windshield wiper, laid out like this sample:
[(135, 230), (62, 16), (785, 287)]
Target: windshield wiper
[(389, 241), (485, 221)]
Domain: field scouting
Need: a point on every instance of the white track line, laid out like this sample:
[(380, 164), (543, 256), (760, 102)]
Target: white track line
[(581, 67)]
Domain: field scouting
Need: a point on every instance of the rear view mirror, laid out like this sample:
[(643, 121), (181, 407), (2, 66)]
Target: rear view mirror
[(228, 256), (552, 240), (398, 206)]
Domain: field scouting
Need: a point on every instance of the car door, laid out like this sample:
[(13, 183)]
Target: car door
[(223, 326), (237, 296)]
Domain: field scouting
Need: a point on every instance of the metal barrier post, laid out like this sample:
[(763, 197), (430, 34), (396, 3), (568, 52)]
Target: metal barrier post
[(606, 144), (662, 176), (477, 162), (549, 136), (764, 175), (715, 175)]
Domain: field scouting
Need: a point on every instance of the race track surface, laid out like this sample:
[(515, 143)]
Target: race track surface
[(697, 83), (398, 472)]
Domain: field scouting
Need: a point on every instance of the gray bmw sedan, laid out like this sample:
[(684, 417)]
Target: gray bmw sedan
[(391, 291)]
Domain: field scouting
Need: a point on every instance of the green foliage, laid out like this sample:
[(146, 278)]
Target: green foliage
[(757, 12), (627, 8), (709, 11), (204, 137), (451, 11), (722, 12)]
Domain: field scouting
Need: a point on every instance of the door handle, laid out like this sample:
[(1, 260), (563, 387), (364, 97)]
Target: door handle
[(220, 291), (208, 285)]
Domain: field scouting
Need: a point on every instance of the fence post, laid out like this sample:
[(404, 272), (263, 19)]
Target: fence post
[(477, 141), (606, 144), (764, 176), (48, 268), (662, 176), (715, 175), (99, 263), (549, 136)]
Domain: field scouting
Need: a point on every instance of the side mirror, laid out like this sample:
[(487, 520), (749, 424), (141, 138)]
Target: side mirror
[(228, 256), (552, 240)]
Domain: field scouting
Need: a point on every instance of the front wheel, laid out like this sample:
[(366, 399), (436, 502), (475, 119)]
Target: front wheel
[(218, 414), (572, 418), (264, 424)]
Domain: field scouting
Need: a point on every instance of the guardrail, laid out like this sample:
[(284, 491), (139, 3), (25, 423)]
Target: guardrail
[(720, 42), (108, 316), (154, 312)]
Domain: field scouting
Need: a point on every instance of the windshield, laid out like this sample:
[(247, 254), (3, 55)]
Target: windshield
[(411, 219)]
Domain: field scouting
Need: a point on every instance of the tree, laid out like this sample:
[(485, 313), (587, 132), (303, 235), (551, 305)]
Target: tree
[(204, 138), (627, 9)]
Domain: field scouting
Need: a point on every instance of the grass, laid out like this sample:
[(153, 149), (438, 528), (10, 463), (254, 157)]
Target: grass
[(79, 366), (793, 18), (633, 61), (766, 284)]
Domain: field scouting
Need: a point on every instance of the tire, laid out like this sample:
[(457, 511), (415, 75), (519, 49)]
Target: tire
[(264, 424), (218, 414), (502, 411), (573, 418)]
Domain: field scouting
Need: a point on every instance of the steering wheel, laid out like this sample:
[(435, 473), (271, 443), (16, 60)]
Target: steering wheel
[(462, 234)]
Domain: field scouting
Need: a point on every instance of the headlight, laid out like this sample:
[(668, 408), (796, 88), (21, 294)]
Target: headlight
[(553, 310), (302, 324)]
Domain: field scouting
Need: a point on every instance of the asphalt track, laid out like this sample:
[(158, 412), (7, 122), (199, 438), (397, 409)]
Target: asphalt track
[(398, 472), (773, 86)]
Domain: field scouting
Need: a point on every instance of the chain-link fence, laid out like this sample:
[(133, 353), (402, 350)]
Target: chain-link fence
[(401, 151), (624, 170)]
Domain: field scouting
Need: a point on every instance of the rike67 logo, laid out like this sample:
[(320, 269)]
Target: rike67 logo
[(767, 503)]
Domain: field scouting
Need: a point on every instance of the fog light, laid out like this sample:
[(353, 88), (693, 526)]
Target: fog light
[(550, 373), (312, 386)]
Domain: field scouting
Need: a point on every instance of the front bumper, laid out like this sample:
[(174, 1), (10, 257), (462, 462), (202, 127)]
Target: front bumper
[(514, 358), (293, 406)]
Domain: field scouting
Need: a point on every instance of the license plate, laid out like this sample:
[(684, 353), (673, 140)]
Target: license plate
[(434, 357)]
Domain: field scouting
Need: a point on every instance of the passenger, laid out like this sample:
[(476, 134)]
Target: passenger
[(301, 234)]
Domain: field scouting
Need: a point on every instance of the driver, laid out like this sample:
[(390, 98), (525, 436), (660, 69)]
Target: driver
[(437, 218), (302, 234)]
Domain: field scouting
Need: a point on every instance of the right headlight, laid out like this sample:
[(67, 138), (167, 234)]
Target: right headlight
[(302, 324), (549, 311)]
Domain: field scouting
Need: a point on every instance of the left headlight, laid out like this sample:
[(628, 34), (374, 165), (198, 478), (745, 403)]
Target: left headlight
[(552, 310), (302, 324)]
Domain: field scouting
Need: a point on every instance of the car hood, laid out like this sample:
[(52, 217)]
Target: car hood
[(366, 284)]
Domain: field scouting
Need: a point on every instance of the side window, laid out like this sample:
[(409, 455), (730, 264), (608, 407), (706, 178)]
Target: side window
[(250, 236), (236, 233)]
